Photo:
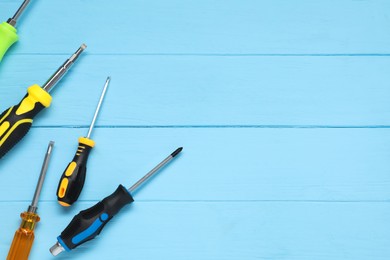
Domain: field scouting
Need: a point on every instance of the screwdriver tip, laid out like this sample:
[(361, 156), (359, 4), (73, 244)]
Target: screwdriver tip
[(83, 46), (177, 151), (108, 78), (50, 148)]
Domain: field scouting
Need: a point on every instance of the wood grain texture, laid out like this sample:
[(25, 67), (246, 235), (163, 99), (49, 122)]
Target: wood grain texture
[(281, 107), (221, 91), (216, 164), (221, 230), (201, 26)]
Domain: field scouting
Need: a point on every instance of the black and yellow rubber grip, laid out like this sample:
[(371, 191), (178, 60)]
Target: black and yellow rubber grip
[(16, 121), (73, 178)]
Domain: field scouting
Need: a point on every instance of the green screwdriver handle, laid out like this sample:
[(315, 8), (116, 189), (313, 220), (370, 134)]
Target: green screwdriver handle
[(8, 36)]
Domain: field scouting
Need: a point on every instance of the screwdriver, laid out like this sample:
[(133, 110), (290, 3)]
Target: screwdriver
[(89, 223), (16, 121), (8, 32), (24, 236), (73, 178)]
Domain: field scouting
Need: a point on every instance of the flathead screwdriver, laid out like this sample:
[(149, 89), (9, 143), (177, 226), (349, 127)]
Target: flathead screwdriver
[(16, 121), (89, 223), (24, 236), (72, 180), (8, 32)]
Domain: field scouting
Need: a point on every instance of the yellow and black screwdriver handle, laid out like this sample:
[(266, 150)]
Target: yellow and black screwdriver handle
[(16, 121), (73, 178)]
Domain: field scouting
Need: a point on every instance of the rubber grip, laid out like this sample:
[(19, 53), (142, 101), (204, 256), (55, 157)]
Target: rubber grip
[(73, 178), (89, 223), (16, 121), (8, 36)]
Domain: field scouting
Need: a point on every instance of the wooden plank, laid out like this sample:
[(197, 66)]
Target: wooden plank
[(223, 230), (253, 90), (188, 91), (216, 164), (201, 26)]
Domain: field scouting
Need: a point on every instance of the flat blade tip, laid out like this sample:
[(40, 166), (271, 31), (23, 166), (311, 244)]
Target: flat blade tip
[(83, 46), (50, 147)]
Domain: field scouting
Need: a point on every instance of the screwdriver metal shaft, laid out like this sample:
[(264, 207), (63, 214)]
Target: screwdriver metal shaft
[(98, 107), (34, 204), (154, 170), (12, 21), (53, 80)]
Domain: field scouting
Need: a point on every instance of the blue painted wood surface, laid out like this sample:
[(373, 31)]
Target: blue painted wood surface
[(282, 108)]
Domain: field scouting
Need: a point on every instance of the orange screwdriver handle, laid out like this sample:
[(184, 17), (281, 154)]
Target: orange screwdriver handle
[(24, 237), (73, 178)]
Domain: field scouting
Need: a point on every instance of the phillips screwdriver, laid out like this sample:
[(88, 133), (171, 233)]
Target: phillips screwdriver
[(8, 32), (24, 236), (73, 178), (89, 223), (16, 121)]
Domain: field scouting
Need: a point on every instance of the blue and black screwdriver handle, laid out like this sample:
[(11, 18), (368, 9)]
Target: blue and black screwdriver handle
[(89, 223), (16, 121), (72, 179)]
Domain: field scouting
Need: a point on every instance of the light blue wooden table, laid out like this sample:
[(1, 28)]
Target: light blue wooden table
[(282, 107)]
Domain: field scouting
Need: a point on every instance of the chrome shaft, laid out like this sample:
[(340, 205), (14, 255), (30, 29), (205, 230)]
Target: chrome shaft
[(98, 107), (155, 169), (63, 69), (12, 21), (34, 204)]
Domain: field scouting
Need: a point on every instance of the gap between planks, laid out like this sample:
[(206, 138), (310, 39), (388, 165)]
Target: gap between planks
[(219, 54), (224, 126), (216, 201)]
